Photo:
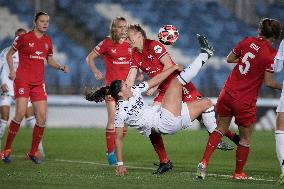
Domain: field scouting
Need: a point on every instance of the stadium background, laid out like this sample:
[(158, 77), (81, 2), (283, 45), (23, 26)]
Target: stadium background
[(76, 26)]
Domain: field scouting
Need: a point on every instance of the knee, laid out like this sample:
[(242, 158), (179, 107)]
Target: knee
[(41, 119), (207, 103)]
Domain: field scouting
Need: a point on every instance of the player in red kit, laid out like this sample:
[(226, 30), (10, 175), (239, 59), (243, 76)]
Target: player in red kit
[(33, 47), (116, 53), (254, 57), (152, 58)]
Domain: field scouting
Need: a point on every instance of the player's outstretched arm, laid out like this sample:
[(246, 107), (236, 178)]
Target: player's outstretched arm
[(55, 65), (120, 169), (131, 76)]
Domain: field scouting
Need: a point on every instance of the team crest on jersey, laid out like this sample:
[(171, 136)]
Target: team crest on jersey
[(158, 49), (150, 58), (46, 46), (21, 91), (31, 44), (113, 51)]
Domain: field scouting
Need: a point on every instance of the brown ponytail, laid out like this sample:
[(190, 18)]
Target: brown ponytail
[(269, 28), (97, 95)]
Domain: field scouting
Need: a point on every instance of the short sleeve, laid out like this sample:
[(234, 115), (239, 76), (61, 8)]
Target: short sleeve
[(269, 67), (141, 87), (158, 49), (101, 48), (133, 62), (279, 58), (50, 48), (18, 42), (120, 115), (238, 47)]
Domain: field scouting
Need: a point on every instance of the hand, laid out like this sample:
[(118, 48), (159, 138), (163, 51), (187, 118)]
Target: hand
[(120, 170), (151, 91), (98, 75), (4, 88), (65, 69), (180, 67), (12, 75)]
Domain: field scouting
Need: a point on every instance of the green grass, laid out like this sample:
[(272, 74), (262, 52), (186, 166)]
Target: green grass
[(86, 147)]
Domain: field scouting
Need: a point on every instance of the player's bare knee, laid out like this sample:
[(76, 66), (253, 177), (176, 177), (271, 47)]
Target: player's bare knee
[(207, 103)]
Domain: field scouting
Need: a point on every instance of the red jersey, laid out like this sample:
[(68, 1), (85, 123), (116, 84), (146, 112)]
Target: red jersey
[(32, 53), (149, 60), (256, 56), (116, 57)]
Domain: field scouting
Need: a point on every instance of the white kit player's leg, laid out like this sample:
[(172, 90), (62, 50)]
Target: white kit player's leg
[(3, 125), (279, 138), (209, 120)]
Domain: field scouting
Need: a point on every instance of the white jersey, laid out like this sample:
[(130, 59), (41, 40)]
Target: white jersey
[(4, 74), (278, 66), (136, 113)]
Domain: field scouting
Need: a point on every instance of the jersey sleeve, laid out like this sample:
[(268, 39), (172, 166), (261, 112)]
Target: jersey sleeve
[(269, 66), (140, 88), (279, 58), (133, 63), (238, 48), (101, 48), (50, 48), (18, 42), (158, 49)]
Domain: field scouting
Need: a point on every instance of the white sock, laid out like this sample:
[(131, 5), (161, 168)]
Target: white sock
[(3, 125), (209, 120), (189, 73), (30, 121), (279, 138)]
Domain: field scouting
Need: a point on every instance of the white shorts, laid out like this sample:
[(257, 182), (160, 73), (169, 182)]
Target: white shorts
[(8, 100), (169, 124)]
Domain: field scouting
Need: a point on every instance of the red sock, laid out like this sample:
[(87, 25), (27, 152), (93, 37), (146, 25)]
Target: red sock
[(37, 136), (242, 153), (110, 140), (158, 144), (212, 143), (12, 132), (230, 135), (124, 131)]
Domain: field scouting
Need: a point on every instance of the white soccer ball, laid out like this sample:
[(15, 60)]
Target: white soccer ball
[(168, 34)]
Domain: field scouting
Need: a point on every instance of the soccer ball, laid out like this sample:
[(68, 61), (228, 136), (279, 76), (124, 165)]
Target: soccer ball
[(168, 34)]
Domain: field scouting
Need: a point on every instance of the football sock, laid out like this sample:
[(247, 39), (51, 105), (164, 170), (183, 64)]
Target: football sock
[(37, 136), (209, 120), (110, 140), (189, 73), (242, 153), (279, 138), (158, 144), (3, 125), (213, 140), (233, 137), (12, 132)]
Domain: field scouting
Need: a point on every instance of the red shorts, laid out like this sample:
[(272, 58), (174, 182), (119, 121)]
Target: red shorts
[(34, 92), (227, 106), (189, 93)]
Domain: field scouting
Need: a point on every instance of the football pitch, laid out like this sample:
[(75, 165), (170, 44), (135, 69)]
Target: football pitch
[(75, 158)]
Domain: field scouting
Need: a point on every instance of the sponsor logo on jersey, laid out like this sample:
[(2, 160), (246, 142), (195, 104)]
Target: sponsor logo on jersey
[(31, 44), (121, 58), (38, 52), (21, 91), (158, 49)]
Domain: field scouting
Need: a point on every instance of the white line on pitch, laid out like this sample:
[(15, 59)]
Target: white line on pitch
[(145, 168)]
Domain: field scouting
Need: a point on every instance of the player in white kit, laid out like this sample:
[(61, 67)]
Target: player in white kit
[(7, 93), (279, 131), (169, 118)]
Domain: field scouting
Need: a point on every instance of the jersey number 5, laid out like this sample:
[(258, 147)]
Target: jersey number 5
[(244, 69)]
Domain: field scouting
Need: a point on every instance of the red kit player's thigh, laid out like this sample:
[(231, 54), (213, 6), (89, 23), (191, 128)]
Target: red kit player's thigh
[(190, 93), (223, 106), (245, 114), (38, 93), (21, 89)]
